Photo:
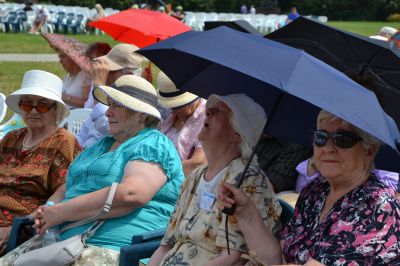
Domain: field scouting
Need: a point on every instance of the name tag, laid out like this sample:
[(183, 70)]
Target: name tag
[(207, 201)]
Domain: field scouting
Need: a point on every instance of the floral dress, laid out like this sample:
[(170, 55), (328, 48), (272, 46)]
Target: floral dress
[(197, 236), (362, 228)]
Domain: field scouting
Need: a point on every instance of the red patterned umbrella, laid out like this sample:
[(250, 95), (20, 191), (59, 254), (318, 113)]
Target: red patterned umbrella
[(140, 27), (73, 48)]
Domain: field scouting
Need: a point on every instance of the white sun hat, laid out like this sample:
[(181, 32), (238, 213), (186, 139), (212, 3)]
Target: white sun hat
[(39, 83), (169, 96), (133, 92), (249, 115)]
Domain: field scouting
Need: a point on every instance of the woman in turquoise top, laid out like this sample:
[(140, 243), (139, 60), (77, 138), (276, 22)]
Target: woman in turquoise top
[(140, 158)]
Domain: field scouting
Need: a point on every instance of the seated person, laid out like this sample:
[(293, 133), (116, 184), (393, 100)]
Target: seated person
[(120, 60), (196, 234), (345, 217), (34, 160), (42, 15), (184, 123), (143, 160), (278, 159)]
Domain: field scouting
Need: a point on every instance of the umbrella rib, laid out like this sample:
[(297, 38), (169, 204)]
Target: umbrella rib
[(352, 49)]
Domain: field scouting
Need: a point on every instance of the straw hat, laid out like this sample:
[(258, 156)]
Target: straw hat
[(169, 96), (73, 48), (122, 56), (133, 92), (39, 83)]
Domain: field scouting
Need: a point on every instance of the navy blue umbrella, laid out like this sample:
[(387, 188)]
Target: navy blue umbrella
[(290, 84)]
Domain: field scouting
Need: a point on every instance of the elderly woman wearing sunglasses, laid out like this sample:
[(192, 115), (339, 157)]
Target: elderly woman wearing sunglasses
[(34, 160), (344, 217)]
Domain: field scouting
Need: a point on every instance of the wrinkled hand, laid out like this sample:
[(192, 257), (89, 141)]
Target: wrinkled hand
[(100, 70), (228, 195), (48, 216)]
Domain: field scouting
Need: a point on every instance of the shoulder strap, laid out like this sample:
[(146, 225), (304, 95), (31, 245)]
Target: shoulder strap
[(106, 209)]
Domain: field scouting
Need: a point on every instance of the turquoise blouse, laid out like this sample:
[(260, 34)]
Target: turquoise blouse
[(96, 168)]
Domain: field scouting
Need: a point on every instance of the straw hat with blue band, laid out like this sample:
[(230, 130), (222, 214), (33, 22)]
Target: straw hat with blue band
[(132, 92), (169, 96)]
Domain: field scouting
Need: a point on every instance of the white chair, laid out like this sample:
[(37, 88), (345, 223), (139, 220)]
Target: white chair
[(3, 106), (75, 119)]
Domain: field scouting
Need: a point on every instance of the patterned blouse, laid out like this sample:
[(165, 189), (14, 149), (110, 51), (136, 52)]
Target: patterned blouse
[(29, 178), (197, 236), (362, 228)]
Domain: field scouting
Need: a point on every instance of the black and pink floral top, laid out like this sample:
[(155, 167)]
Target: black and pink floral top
[(362, 228)]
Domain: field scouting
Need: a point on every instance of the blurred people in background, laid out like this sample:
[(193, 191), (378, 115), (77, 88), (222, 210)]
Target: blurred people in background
[(178, 14), (243, 9), (99, 14), (252, 10), (42, 15), (292, 15)]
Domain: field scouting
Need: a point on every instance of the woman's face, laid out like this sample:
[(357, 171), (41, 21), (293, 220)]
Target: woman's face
[(68, 64), (216, 124), (337, 163), (123, 123), (35, 119)]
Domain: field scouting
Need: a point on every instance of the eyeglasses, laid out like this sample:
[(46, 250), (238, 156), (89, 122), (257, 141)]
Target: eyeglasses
[(342, 139), (40, 108)]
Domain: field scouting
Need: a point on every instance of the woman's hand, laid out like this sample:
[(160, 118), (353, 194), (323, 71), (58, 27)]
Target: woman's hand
[(100, 70), (50, 216), (229, 195)]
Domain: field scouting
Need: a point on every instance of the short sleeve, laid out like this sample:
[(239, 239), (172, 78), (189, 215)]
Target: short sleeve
[(157, 148), (66, 152)]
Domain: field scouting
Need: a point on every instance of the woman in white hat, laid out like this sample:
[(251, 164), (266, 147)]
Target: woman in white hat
[(183, 125), (140, 158), (196, 232), (34, 160)]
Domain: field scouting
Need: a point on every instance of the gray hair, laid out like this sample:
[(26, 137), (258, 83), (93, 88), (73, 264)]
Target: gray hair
[(244, 145), (367, 139), (59, 114)]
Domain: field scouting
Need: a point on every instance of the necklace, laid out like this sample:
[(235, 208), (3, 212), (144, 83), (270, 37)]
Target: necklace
[(38, 141)]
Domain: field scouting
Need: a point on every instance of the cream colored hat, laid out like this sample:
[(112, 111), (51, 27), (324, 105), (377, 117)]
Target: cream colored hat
[(39, 83), (169, 96), (122, 56), (249, 115), (133, 92)]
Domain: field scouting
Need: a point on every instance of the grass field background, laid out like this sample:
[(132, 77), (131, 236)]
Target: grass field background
[(11, 73)]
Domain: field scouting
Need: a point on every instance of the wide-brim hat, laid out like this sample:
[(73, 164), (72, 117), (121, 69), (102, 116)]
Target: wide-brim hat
[(39, 83), (122, 56), (169, 96), (74, 49), (132, 92), (249, 115)]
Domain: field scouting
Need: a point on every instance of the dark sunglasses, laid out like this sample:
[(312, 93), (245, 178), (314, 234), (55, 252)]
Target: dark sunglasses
[(342, 139), (40, 108)]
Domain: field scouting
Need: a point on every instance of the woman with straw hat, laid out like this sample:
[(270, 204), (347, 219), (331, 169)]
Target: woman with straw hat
[(183, 125), (34, 160), (140, 158)]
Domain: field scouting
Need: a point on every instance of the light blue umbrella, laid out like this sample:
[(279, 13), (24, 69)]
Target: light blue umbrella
[(290, 84)]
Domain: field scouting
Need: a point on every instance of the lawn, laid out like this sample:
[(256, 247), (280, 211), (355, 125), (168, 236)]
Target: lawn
[(366, 28), (11, 74), (36, 44)]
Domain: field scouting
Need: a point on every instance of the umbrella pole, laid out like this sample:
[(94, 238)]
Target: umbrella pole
[(231, 210)]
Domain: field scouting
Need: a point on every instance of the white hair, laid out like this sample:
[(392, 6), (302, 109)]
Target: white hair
[(367, 139), (244, 145)]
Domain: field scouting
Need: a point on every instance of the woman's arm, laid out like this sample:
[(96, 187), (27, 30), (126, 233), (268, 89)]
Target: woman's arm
[(158, 255), (76, 101), (198, 158), (141, 181)]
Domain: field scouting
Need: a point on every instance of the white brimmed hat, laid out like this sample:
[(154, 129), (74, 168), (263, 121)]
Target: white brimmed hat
[(169, 96), (39, 83), (133, 92), (123, 56), (249, 115)]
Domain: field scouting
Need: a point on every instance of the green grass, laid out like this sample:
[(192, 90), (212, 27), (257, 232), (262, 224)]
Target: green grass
[(366, 28), (11, 74), (25, 43)]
